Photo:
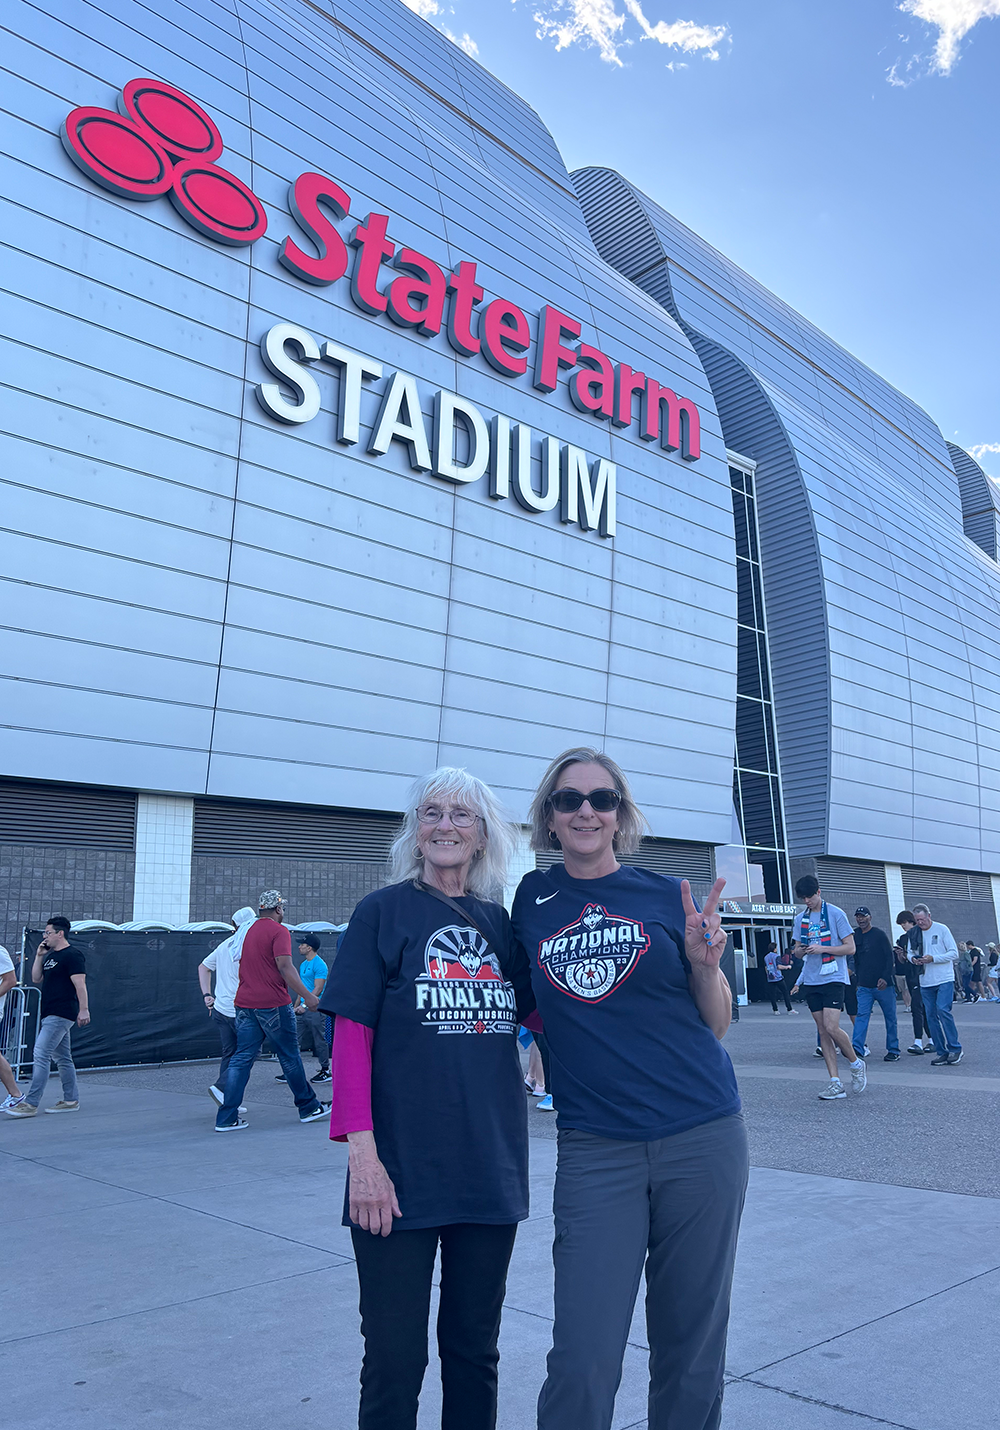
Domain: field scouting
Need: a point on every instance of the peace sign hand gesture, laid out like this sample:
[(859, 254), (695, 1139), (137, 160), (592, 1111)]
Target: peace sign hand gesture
[(704, 937)]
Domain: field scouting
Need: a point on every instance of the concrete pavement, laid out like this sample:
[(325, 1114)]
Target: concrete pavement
[(157, 1274)]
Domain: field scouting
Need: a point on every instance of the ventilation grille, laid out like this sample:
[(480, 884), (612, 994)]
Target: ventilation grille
[(851, 878), (291, 832), (664, 856), (926, 885), (65, 815)]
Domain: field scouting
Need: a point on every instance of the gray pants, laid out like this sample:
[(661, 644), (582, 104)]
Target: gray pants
[(52, 1045), (312, 1036), (671, 1206)]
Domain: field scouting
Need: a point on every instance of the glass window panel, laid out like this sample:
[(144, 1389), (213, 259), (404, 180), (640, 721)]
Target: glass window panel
[(758, 595), (742, 525), (747, 663), (751, 739), (747, 611), (765, 684), (758, 814)]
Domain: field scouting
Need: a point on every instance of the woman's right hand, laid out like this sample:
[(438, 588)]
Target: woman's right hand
[(373, 1201)]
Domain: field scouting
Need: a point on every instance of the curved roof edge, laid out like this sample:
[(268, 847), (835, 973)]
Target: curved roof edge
[(980, 501)]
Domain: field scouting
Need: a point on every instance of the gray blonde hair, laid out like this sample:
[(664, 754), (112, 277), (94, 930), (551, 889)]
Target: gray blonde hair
[(488, 875), (632, 823)]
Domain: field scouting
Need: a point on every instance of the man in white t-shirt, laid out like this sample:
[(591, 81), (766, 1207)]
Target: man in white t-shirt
[(936, 951), (824, 941), (7, 980), (224, 962)]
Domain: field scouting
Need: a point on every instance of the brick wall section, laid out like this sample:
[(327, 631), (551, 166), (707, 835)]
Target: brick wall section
[(313, 888), (37, 880)]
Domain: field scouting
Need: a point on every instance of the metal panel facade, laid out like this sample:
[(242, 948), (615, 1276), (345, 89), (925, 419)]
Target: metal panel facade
[(882, 612), (201, 600)]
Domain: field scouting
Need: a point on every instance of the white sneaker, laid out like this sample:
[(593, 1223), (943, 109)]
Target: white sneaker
[(859, 1078), (12, 1101), (867, 1052), (834, 1090), (217, 1096)]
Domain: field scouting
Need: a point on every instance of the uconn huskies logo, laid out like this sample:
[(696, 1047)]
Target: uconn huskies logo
[(462, 988), (164, 143), (589, 959)]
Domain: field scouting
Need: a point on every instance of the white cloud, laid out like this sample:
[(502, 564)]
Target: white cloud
[(985, 449), (464, 42), (427, 9), (600, 25), (953, 19)]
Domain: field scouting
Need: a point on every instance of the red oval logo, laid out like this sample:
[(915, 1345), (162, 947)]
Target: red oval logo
[(217, 203), (120, 154), (165, 143), (180, 125)]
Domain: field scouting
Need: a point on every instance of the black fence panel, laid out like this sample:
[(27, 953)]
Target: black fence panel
[(145, 1002)]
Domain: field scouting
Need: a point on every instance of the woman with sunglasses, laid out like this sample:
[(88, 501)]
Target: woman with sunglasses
[(652, 1164), (427, 992)]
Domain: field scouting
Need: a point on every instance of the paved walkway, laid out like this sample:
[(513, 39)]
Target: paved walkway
[(159, 1275)]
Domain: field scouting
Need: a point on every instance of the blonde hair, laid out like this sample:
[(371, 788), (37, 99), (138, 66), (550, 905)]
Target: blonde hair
[(632, 823), (487, 875)]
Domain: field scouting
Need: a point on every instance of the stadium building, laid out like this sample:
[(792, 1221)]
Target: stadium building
[(348, 434)]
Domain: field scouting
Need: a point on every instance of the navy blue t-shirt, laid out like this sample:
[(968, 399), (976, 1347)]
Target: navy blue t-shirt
[(631, 1055), (448, 1105)]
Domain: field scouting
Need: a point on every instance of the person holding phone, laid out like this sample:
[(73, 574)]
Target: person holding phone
[(652, 1161), (61, 969)]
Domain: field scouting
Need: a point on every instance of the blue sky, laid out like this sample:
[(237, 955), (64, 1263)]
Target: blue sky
[(844, 152)]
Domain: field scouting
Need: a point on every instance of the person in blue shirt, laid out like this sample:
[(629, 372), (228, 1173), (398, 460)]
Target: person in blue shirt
[(312, 1026), (652, 1161)]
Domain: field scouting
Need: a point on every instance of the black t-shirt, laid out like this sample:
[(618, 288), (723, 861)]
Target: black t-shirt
[(976, 955), (631, 1056), (873, 958), (909, 945), (59, 998), (448, 1104)]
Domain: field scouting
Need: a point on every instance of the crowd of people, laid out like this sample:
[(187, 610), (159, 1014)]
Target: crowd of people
[(840, 969), (612, 974)]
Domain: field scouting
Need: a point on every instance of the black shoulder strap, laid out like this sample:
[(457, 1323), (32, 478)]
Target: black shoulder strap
[(455, 907)]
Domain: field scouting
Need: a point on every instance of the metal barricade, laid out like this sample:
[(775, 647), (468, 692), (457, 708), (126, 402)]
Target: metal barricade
[(18, 1025)]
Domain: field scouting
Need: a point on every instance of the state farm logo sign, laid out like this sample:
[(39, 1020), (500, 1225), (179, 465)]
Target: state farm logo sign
[(164, 143)]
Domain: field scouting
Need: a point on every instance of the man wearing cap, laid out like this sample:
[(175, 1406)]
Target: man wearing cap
[(874, 965), (264, 1010)]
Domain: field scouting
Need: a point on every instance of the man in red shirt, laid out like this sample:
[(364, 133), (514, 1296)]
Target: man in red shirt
[(264, 1010)]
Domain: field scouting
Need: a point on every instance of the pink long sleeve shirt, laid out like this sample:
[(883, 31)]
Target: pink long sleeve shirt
[(352, 1079)]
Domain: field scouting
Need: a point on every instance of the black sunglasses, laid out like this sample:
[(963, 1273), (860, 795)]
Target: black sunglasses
[(601, 801)]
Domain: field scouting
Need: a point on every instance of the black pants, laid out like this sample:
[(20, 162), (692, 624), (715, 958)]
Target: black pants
[(312, 1037), (773, 989), (227, 1038), (394, 1273), (920, 1028), (543, 1053)]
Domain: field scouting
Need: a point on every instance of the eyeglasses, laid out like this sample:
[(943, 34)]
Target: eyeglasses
[(433, 814), (601, 801)]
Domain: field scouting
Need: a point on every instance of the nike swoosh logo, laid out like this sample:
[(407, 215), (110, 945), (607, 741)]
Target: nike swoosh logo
[(546, 899)]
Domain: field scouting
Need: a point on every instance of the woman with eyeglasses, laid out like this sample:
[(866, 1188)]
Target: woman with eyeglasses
[(652, 1164), (427, 993)]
